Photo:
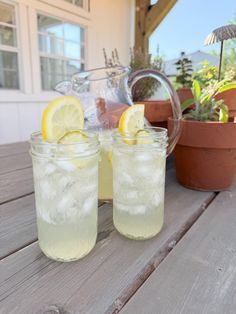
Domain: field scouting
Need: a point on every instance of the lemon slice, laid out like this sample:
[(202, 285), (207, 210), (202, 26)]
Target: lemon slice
[(73, 137), (144, 137), (61, 115), (132, 120), (80, 162)]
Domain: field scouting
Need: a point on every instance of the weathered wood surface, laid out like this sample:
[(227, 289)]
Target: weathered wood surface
[(14, 149), (15, 162), (17, 225), (103, 281), (199, 275), (15, 184)]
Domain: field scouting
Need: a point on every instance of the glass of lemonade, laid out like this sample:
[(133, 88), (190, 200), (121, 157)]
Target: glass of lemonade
[(139, 182), (66, 193)]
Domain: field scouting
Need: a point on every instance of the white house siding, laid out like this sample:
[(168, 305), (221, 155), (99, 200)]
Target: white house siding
[(109, 25)]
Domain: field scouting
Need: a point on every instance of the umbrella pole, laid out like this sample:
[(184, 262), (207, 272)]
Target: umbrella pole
[(221, 53)]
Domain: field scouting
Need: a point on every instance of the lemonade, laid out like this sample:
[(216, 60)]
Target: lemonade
[(105, 166), (139, 159), (65, 168), (139, 181)]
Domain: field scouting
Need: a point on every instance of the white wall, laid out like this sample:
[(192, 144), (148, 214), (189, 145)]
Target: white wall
[(110, 25)]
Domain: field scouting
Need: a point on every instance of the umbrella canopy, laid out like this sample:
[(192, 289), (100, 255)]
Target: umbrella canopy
[(220, 34)]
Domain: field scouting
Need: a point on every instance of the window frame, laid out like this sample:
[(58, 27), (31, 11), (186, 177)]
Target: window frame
[(29, 54), (16, 49), (57, 57)]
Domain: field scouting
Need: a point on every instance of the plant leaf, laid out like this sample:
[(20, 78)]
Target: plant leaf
[(226, 87), (186, 104), (223, 116), (196, 89)]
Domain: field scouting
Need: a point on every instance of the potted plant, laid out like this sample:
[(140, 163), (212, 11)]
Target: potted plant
[(209, 74), (205, 155), (184, 78), (156, 111)]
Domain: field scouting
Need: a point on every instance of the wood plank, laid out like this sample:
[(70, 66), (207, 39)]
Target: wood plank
[(108, 276), (14, 149), (15, 162), (17, 225), (199, 275), (16, 184)]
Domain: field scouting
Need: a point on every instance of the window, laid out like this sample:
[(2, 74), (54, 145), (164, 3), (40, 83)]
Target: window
[(9, 74), (61, 46), (79, 3)]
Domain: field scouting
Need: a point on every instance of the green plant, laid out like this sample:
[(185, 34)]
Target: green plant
[(145, 88), (206, 107), (207, 74), (184, 68)]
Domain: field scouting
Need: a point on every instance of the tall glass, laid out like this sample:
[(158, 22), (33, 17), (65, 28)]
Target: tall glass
[(66, 193), (139, 183)]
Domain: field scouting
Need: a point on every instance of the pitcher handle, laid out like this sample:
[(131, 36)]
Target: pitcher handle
[(174, 99)]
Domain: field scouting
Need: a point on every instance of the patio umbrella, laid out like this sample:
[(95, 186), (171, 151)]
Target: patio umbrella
[(219, 35)]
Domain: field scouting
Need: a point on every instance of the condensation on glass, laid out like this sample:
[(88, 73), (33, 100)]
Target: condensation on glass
[(61, 46), (9, 74)]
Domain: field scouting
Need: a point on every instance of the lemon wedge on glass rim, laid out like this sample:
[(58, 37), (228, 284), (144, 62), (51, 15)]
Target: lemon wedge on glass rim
[(62, 115), (132, 123), (132, 120)]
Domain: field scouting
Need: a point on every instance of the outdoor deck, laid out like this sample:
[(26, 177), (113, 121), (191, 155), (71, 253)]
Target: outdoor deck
[(190, 267)]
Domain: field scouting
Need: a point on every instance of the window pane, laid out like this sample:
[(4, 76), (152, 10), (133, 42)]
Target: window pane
[(72, 32), (7, 36), (72, 67), (50, 25), (72, 50), (51, 45), (79, 3), (52, 72), (7, 13), (8, 70)]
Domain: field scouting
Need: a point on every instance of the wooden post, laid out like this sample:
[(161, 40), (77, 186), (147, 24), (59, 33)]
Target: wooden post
[(147, 18), (141, 41)]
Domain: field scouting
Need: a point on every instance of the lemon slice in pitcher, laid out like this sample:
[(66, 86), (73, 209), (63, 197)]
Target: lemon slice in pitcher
[(60, 116)]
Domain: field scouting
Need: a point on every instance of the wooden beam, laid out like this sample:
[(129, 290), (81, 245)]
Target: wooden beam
[(141, 9), (156, 14), (147, 18)]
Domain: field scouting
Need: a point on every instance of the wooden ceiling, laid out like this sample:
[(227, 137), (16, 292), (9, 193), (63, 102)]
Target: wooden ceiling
[(147, 18)]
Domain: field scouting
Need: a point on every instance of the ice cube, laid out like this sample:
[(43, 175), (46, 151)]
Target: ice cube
[(125, 178), (158, 176), (138, 209), (47, 189), (66, 165), (157, 199), (143, 156), (89, 205)]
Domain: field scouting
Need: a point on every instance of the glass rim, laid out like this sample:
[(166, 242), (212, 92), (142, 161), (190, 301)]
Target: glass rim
[(121, 71), (160, 133), (36, 139)]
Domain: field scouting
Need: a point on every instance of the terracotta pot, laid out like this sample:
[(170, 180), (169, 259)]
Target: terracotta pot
[(157, 111), (205, 155), (229, 97), (184, 94)]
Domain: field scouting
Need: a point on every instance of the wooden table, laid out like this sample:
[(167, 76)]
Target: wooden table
[(190, 267)]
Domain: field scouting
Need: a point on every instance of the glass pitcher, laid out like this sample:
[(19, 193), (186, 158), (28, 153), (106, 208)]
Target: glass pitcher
[(105, 93)]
